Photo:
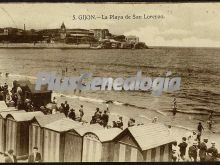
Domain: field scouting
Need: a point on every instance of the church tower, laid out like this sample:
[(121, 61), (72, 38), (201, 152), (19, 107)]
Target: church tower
[(63, 31)]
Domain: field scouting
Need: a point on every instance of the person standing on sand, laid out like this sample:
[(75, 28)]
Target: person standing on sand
[(202, 150), (213, 152), (182, 147), (174, 107), (61, 108), (175, 152), (35, 156), (10, 158), (193, 152), (81, 113), (66, 108), (105, 119), (200, 129), (120, 123), (72, 114)]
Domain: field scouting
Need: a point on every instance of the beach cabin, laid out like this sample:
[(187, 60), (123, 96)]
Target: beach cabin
[(73, 151), (145, 143), (36, 130), (3, 114), (17, 131), (54, 139), (98, 145)]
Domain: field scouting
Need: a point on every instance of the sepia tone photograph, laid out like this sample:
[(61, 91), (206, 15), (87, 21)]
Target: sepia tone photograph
[(109, 82)]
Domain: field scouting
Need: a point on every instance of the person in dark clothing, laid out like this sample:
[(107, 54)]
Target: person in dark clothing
[(120, 123), (202, 150), (212, 152), (182, 147), (81, 113), (200, 129), (174, 107), (105, 119), (10, 158), (131, 122), (98, 116), (193, 152), (35, 156), (210, 115), (66, 108), (72, 114), (61, 108)]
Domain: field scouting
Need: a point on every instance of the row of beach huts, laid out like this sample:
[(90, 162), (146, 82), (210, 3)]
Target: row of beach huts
[(60, 139)]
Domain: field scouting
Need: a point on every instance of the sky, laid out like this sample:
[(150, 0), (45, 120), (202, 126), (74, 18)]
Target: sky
[(183, 24)]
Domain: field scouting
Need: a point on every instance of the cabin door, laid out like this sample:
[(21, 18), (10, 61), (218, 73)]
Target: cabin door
[(73, 148), (92, 149)]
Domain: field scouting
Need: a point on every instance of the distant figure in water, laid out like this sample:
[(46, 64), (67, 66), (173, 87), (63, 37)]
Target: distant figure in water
[(154, 120), (6, 74), (211, 115), (174, 107), (210, 120)]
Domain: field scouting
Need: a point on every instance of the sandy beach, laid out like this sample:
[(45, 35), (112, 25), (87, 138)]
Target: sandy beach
[(194, 102)]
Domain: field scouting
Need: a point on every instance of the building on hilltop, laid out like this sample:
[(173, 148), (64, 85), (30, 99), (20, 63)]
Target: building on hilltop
[(100, 34), (132, 39)]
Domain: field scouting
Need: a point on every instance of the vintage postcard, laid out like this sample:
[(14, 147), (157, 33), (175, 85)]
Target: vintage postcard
[(109, 82)]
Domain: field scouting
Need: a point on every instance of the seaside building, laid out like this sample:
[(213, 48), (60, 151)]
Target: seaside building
[(147, 143), (98, 145), (3, 114), (3, 32), (100, 34), (36, 132), (54, 139), (17, 131), (132, 39)]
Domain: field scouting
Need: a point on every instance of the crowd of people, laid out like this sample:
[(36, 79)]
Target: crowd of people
[(193, 149)]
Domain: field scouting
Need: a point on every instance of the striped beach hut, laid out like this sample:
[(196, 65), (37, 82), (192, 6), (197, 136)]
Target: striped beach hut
[(145, 143), (98, 145), (3, 114), (73, 151), (17, 131), (54, 139), (36, 129)]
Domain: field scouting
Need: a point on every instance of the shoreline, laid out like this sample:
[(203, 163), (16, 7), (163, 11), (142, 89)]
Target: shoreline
[(52, 46), (164, 117)]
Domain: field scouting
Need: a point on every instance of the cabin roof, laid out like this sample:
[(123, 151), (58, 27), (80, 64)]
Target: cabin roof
[(25, 116), (105, 135), (10, 110), (151, 135), (2, 105), (62, 125), (46, 119), (83, 129)]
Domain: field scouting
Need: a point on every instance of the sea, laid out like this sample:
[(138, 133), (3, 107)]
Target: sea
[(199, 69)]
